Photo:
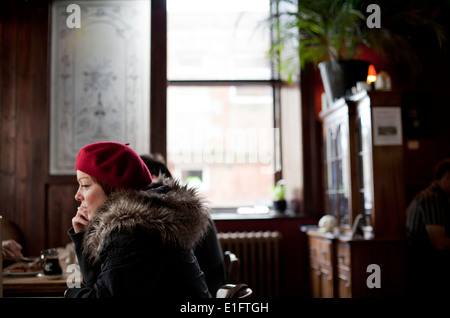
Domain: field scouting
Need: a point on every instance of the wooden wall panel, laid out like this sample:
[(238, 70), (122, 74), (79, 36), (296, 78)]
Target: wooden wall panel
[(62, 207), (8, 108), (158, 80), (38, 116), (311, 144), (23, 129), (24, 118), (389, 201)]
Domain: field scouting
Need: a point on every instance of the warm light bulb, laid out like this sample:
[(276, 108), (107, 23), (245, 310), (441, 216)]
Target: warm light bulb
[(371, 75)]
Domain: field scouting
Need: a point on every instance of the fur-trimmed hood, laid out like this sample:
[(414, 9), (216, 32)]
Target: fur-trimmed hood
[(167, 209)]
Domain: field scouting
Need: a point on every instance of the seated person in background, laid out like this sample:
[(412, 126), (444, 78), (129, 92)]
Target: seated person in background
[(156, 166), (428, 229), (11, 250), (12, 242), (132, 237), (209, 251)]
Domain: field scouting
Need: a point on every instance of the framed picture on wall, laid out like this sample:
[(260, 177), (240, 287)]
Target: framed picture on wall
[(100, 77), (387, 126)]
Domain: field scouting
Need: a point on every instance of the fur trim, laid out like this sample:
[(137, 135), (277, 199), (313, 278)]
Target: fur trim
[(178, 215)]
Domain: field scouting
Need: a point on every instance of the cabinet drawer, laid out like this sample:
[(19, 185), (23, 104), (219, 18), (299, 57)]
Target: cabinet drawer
[(320, 249), (322, 280), (314, 248), (343, 254), (344, 283)]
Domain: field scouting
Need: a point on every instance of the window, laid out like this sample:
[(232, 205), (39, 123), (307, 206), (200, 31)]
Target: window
[(218, 40), (222, 124)]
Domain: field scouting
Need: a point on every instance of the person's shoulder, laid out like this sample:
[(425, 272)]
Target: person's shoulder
[(427, 197), (431, 190)]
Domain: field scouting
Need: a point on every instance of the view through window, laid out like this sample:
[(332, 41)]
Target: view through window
[(221, 135)]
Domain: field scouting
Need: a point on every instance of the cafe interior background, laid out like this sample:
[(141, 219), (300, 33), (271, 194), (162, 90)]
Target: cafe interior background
[(192, 81)]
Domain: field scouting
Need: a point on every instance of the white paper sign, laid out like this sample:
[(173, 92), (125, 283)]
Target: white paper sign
[(387, 126)]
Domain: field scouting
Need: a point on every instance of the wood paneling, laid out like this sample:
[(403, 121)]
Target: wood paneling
[(389, 191), (8, 106), (61, 209), (311, 144), (158, 81), (24, 119)]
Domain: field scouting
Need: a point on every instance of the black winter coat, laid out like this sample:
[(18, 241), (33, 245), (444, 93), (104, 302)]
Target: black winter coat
[(140, 244)]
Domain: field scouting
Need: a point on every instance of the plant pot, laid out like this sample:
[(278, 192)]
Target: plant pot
[(339, 77), (280, 206)]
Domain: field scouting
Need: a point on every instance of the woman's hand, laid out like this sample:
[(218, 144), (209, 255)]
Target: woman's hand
[(80, 220), (11, 250)]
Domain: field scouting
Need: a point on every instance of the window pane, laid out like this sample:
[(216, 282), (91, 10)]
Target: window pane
[(216, 39), (220, 139)]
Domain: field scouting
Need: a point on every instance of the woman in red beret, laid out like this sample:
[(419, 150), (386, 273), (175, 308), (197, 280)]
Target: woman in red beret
[(134, 238)]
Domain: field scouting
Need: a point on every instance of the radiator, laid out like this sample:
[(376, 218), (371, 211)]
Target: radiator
[(259, 256)]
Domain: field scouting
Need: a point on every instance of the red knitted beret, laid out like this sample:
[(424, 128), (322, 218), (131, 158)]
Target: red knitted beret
[(115, 164)]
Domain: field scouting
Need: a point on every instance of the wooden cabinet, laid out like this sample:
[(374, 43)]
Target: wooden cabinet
[(362, 263), (321, 255), (363, 184), (343, 270), (340, 266), (337, 176), (362, 177)]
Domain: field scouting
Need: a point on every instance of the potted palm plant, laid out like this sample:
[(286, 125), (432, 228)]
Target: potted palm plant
[(331, 34)]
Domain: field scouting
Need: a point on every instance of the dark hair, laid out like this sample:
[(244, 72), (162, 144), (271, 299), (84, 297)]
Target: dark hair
[(107, 188), (155, 164), (441, 169)]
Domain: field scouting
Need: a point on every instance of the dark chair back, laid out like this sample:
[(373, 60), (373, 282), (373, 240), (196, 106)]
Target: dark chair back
[(234, 291), (232, 264)]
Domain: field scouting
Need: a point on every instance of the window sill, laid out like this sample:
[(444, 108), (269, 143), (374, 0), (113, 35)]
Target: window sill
[(233, 215)]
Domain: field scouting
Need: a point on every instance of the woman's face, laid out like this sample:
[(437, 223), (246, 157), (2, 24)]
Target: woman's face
[(90, 194)]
